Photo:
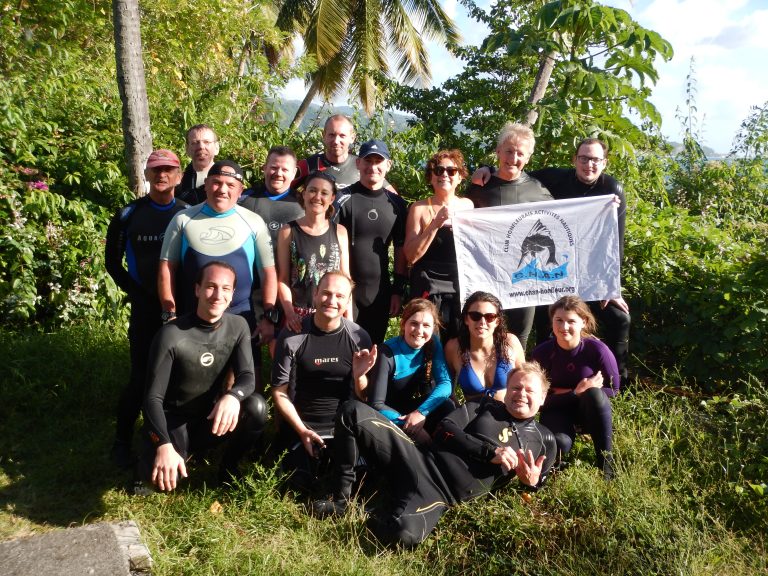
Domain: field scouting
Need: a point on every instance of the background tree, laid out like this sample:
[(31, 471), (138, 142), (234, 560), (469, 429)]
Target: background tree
[(352, 40), (133, 90)]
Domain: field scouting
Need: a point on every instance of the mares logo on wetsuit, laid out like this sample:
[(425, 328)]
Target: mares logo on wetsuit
[(273, 225), (206, 359), (217, 235), (320, 361)]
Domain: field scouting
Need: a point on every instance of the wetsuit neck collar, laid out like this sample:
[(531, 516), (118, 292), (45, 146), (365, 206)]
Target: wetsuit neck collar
[(208, 211)]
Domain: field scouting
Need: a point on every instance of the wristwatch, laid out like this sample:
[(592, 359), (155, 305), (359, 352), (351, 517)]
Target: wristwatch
[(167, 316), (272, 315)]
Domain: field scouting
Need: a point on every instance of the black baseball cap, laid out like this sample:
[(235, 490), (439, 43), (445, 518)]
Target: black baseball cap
[(226, 168)]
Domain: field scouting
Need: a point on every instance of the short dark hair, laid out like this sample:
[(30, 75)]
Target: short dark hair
[(198, 127), (220, 264), (589, 142), (282, 151)]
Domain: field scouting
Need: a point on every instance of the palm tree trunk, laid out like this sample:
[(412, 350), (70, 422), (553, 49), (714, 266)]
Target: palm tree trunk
[(302, 111), (133, 90), (546, 65)]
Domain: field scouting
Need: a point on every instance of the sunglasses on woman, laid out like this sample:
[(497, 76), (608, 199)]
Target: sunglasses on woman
[(450, 170), (475, 316)]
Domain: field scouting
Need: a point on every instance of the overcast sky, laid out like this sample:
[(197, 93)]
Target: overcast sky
[(727, 38)]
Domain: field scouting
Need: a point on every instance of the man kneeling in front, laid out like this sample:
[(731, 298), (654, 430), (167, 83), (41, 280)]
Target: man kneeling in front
[(187, 407)]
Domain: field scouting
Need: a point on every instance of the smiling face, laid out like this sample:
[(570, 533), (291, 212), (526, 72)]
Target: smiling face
[(589, 162), (373, 171), (513, 155), (318, 195), (202, 147), (481, 319), (525, 394), (338, 136), (222, 192), (567, 326), (279, 172), (332, 298), (445, 182), (214, 292), (417, 330)]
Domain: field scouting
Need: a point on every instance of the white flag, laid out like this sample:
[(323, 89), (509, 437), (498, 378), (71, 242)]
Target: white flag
[(534, 253)]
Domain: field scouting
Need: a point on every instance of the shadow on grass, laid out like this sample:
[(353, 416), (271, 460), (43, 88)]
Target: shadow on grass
[(58, 395)]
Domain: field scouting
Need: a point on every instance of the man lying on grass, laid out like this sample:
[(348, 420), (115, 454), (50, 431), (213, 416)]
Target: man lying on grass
[(477, 448), (187, 407)]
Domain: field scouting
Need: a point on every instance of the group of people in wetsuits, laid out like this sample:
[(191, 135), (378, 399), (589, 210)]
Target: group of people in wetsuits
[(300, 262)]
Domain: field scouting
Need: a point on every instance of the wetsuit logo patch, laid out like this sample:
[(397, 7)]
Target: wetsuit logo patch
[(320, 361), (217, 235), (373, 215), (273, 225), (206, 359)]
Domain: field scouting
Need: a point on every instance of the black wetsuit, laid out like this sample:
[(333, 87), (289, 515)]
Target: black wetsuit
[(345, 173), (498, 192), (424, 482), (189, 189), (275, 211), (436, 276), (317, 367), (135, 235), (614, 322), (374, 219), (187, 372)]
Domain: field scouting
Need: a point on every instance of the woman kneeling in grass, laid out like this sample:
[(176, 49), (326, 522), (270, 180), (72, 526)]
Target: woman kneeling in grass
[(584, 377)]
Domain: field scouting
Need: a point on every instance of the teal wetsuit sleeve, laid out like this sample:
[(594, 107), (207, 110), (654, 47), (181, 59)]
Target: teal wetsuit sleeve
[(442, 378)]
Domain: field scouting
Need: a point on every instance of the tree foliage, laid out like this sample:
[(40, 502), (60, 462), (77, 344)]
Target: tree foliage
[(603, 74), (352, 41)]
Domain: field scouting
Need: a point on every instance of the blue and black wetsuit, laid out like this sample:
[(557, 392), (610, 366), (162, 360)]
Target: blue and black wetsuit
[(399, 383), (132, 255)]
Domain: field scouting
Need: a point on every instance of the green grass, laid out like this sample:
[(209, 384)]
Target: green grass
[(681, 504)]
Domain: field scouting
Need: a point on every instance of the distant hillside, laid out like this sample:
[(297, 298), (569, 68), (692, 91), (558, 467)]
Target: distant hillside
[(316, 115)]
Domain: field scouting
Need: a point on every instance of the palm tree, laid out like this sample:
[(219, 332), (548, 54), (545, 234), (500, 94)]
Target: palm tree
[(352, 39)]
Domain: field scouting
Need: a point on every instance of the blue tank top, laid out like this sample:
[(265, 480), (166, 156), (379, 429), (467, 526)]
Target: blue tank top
[(471, 384)]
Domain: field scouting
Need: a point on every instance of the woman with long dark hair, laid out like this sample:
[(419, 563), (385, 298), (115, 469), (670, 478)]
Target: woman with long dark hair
[(584, 378), (484, 352)]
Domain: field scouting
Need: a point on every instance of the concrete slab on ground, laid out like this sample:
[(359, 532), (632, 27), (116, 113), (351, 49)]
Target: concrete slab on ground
[(104, 549)]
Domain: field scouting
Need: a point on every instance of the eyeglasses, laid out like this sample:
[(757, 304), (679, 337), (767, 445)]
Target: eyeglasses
[(475, 316), (589, 159), (450, 170)]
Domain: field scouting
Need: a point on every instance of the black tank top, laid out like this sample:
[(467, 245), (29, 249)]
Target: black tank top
[(311, 257), (436, 272)]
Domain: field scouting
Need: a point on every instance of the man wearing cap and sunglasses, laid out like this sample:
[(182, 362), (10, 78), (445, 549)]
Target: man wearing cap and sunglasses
[(375, 219), (220, 229), (132, 252)]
